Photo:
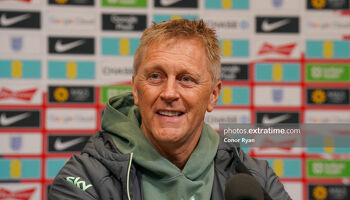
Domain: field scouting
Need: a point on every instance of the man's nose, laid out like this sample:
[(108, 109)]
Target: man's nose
[(170, 91)]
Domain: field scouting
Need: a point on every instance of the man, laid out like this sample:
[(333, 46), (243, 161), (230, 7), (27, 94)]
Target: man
[(153, 143)]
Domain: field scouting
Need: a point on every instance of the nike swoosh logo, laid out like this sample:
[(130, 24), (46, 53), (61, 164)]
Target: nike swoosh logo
[(168, 2), (275, 120), (59, 145), (59, 47), (5, 21), (5, 121), (267, 27)]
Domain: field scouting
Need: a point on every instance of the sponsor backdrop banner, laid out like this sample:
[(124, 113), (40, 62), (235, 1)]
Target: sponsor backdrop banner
[(283, 62)]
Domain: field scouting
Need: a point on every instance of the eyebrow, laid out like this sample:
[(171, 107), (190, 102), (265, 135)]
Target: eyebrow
[(159, 67)]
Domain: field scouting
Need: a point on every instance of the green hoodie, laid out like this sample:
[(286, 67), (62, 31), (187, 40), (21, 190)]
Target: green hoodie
[(161, 179)]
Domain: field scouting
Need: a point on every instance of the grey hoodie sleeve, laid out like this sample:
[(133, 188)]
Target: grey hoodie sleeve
[(265, 175), (72, 182)]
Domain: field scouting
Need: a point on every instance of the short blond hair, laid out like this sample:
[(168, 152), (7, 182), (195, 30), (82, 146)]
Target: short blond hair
[(183, 29)]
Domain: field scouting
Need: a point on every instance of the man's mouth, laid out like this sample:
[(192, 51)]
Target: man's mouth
[(170, 113)]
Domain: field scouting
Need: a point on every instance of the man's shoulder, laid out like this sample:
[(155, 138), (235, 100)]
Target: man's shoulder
[(85, 176)]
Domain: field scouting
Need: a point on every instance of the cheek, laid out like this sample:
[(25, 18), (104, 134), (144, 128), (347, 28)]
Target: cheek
[(197, 100)]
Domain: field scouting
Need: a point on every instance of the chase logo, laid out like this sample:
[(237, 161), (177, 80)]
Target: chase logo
[(328, 4), (234, 96), (119, 46), (72, 2), (286, 168), (13, 169), (277, 72), (71, 70), (234, 48), (125, 3), (329, 49), (227, 4), (162, 18), (16, 69)]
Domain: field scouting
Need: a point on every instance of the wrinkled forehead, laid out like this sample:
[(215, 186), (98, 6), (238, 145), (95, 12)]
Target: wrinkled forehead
[(172, 42)]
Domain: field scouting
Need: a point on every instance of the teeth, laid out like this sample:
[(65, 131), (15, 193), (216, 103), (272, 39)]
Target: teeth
[(169, 113)]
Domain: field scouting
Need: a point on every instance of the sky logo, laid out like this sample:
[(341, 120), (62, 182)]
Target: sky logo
[(28, 69), (119, 46), (162, 18), (234, 48), (277, 72), (234, 96), (71, 70), (328, 49), (227, 4), (286, 168)]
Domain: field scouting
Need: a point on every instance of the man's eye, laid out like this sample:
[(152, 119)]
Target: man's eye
[(186, 79), (154, 76)]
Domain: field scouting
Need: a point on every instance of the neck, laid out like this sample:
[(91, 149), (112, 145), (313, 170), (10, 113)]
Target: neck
[(177, 152)]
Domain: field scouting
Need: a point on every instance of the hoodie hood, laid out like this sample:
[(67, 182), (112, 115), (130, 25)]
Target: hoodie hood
[(160, 178)]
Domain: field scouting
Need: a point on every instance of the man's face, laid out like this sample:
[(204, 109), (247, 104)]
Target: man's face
[(173, 89)]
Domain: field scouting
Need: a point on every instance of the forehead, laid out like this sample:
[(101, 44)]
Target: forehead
[(182, 49)]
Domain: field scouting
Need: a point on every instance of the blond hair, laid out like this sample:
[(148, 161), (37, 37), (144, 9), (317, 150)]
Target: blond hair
[(182, 29)]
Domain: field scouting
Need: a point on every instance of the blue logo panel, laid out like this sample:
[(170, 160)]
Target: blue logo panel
[(119, 46), (26, 69), (53, 166), (337, 144), (328, 49), (227, 4), (20, 169), (234, 48), (286, 168), (162, 18), (277, 72), (71, 70), (234, 96)]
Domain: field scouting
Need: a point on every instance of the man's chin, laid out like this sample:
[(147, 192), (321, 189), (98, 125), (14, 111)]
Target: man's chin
[(169, 135)]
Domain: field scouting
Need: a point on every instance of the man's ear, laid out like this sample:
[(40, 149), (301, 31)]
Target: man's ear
[(134, 90), (214, 96)]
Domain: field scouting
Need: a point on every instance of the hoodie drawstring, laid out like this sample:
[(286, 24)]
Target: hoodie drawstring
[(128, 176)]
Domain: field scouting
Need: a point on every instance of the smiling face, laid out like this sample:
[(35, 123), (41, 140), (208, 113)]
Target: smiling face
[(174, 89)]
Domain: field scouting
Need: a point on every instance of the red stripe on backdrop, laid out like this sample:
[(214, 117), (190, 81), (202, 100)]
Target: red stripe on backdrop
[(43, 155)]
